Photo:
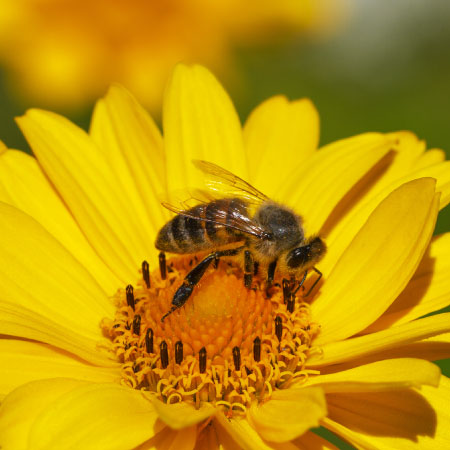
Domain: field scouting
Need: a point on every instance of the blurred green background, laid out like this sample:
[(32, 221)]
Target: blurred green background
[(386, 68)]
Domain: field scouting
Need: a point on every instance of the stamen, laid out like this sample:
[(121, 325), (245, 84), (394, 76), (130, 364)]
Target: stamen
[(286, 290), (162, 265), (291, 303), (202, 360), (237, 358), (257, 349), (130, 296), (149, 341), (178, 352), (229, 345), (137, 324), (146, 273), (278, 327), (164, 354)]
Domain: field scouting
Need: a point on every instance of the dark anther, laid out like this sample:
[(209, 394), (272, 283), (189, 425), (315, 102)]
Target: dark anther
[(291, 303), (146, 273), (116, 325), (286, 290), (137, 324), (162, 265), (202, 360), (247, 370), (149, 341), (178, 352), (237, 358), (164, 354), (130, 296), (255, 268), (257, 349), (278, 327)]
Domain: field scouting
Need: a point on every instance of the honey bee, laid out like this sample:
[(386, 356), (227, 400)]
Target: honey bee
[(272, 235)]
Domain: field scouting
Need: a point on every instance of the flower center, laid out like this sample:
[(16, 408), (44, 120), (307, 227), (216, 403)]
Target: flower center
[(228, 345)]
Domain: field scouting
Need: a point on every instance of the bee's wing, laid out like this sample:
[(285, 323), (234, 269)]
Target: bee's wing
[(227, 184), (226, 214)]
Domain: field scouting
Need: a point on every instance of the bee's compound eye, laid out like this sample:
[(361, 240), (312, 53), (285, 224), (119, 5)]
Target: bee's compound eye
[(299, 257)]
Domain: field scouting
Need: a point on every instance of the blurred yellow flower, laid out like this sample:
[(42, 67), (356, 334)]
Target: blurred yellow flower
[(67, 52), (87, 363)]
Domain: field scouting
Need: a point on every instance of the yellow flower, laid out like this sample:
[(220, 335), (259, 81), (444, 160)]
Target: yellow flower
[(65, 53), (80, 369)]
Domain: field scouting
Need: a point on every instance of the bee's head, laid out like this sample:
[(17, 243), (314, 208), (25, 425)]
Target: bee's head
[(306, 256)]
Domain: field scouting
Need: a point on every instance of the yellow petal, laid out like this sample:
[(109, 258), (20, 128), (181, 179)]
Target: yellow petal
[(243, 433), (200, 122), (429, 158), (380, 376), (357, 439), (438, 399), (288, 414), (356, 347), (181, 415), (401, 419), (25, 361), (23, 185), (431, 349), (317, 186), (378, 263), (46, 294), (428, 290), (83, 177), (348, 226), (279, 136), (311, 441), (168, 439), (214, 437), (23, 406), (95, 416), (133, 146)]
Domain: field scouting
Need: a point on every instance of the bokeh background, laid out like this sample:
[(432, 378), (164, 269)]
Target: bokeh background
[(368, 65)]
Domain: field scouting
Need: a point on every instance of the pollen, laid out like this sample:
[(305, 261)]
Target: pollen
[(227, 345)]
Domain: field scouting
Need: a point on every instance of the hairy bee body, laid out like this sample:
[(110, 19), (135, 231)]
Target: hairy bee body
[(270, 236), (184, 234)]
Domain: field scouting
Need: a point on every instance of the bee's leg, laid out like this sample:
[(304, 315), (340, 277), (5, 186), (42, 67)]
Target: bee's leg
[(286, 290), (248, 269), (270, 274), (315, 282), (256, 268), (194, 276), (301, 283)]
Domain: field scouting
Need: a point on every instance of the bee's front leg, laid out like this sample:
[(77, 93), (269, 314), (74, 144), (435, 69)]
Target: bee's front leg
[(194, 276), (271, 273)]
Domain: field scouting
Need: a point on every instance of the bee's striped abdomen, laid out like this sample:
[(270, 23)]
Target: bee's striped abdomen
[(186, 234)]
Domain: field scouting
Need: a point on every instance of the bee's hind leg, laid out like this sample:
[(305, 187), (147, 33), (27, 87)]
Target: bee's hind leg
[(194, 276)]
